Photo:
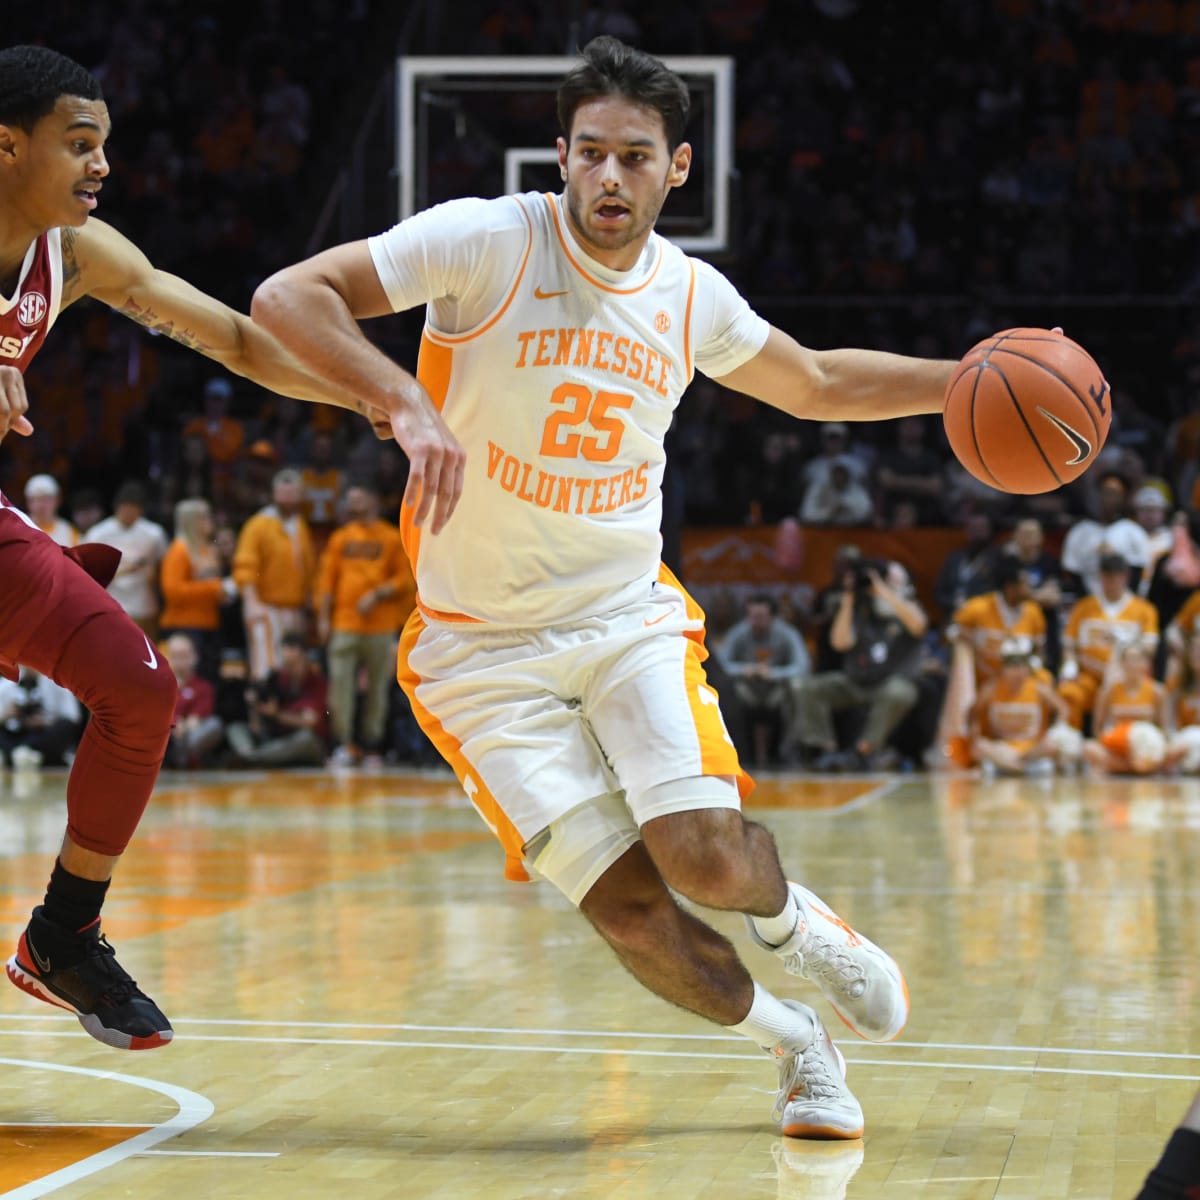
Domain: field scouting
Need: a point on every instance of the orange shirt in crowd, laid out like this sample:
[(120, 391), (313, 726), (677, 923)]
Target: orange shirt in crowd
[(1095, 626), (1014, 714), (1187, 619), (359, 557), (223, 437), (1140, 704), (322, 487), (985, 622), (191, 591), (278, 564)]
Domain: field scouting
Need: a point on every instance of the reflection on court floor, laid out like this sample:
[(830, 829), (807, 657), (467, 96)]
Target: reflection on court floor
[(364, 1006)]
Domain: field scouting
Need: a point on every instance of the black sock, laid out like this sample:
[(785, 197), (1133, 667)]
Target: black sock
[(73, 903)]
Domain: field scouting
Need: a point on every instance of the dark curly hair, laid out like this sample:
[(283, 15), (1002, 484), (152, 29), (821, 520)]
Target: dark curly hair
[(31, 80), (611, 68)]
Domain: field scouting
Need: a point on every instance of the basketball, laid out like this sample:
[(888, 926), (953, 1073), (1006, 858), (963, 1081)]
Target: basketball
[(1027, 410)]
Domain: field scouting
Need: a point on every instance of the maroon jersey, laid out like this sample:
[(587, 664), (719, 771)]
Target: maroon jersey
[(26, 317)]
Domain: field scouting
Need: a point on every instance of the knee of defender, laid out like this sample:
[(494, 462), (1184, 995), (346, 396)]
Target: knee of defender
[(145, 699)]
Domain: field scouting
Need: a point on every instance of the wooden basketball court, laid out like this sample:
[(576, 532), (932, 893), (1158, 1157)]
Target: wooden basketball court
[(365, 1008)]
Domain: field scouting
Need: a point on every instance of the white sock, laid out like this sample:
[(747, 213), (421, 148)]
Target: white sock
[(768, 1022), (776, 930)]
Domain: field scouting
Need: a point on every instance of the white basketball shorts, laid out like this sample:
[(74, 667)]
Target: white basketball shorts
[(568, 738)]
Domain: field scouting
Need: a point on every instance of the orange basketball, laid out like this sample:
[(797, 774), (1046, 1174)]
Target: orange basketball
[(1027, 410)]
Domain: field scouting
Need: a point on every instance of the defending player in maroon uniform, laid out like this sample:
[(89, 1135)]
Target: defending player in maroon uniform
[(55, 615)]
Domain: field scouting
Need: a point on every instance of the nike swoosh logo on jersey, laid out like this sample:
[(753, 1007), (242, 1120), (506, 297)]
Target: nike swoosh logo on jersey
[(152, 661), (658, 619), (538, 294), (1082, 446)]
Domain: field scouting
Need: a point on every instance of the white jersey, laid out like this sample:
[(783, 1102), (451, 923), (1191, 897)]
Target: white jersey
[(560, 377)]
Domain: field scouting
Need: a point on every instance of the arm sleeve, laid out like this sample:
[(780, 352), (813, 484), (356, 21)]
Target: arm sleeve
[(460, 258), (726, 331)]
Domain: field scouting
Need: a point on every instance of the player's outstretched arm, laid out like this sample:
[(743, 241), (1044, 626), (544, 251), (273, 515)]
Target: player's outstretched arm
[(98, 261), (331, 293), (841, 385)]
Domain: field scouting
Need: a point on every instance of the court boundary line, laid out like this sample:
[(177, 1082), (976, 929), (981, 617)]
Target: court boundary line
[(870, 796), (631, 1052), (193, 1109), (636, 1035)]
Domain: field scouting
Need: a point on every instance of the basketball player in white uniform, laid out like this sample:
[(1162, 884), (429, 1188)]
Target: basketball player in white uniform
[(552, 659)]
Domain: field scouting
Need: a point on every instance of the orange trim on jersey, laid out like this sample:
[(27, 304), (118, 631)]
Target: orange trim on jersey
[(435, 363), (687, 323), (454, 618), (552, 200), (455, 339), (717, 753), (450, 748)]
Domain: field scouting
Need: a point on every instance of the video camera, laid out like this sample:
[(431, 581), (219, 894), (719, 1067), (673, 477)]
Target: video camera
[(861, 569)]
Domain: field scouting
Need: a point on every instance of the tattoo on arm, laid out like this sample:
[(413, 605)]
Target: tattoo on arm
[(71, 283), (151, 320)]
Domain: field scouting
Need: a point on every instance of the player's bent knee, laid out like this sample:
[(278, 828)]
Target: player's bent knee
[(120, 676)]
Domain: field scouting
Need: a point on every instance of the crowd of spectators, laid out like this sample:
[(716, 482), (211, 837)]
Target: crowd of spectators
[(281, 631), (1028, 655), (907, 186)]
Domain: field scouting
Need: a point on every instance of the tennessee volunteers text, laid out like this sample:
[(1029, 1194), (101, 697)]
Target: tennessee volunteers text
[(566, 493), (595, 348)]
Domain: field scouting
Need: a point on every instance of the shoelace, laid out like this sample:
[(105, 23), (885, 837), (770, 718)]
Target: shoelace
[(805, 1071), (831, 963), (122, 987)]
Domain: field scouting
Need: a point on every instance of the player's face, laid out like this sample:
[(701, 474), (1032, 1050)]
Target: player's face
[(617, 172), (59, 168)]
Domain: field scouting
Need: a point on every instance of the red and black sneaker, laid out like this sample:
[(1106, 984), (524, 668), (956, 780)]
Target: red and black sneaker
[(87, 980)]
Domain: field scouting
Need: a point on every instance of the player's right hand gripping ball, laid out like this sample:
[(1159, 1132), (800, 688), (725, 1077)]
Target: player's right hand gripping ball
[(1027, 411)]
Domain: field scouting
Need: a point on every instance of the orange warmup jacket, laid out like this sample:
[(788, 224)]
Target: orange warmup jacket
[(280, 570)]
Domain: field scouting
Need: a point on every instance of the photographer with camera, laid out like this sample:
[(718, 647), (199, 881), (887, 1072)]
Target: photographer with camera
[(877, 630), (40, 722), (286, 721)]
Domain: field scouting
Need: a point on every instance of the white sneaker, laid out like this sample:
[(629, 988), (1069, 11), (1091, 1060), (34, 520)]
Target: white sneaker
[(813, 1100), (815, 1170), (864, 985)]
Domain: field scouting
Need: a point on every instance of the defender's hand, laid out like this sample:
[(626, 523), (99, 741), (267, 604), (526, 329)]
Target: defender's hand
[(13, 403), (436, 462)]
